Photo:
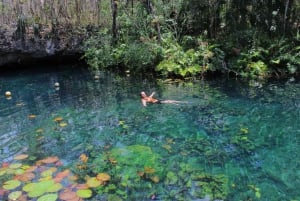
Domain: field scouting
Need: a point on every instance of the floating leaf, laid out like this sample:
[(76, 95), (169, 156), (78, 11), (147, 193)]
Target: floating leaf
[(21, 157), (3, 192), (2, 172), (82, 186), (27, 176), (19, 171), (39, 188), (83, 158), (68, 195), (40, 130), (54, 188), (149, 170), (11, 184), (48, 197), (15, 165), (103, 177), (47, 173), (93, 182), (5, 164), (58, 119), (155, 179), (31, 169), (63, 124), (29, 187), (84, 193), (36, 193), (51, 159), (32, 116), (61, 175), (15, 195)]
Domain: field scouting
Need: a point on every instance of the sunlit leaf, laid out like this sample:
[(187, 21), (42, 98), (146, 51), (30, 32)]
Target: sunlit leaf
[(31, 169), (149, 170), (83, 158), (21, 157), (2, 172), (54, 188), (51, 159), (47, 173), (32, 116), (48, 197), (59, 176), (40, 130), (27, 176), (68, 195), (155, 179), (58, 119), (36, 193), (29, 187), (84, 193), (11, 184), (82, 186), (103, 177), (19, 171), (15, 165), (63, 124), (15, 195), (93, 182), (39, 188)]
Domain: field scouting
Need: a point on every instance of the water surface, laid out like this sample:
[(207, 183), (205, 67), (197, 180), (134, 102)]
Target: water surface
[(250, 135)]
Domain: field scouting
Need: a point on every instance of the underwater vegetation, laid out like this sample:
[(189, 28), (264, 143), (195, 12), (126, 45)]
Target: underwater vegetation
[(44, 180), (129, 169)]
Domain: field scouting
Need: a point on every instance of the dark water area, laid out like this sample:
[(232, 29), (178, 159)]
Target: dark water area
[(226, 141)]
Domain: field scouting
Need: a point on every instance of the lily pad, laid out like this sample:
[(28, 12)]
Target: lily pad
[(27, 176), (63, 124), (47, 173), (15, 195), (103, 177), (2, 172), (84, 193), (11, 184), (54, 188), (21, 157), (68, 195), (51, 159), (93, 182), (15, 165), (40, 188), (19, 171), (48, 197), (58, 119)]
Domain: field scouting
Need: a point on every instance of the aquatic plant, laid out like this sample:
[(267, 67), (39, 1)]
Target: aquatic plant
[(45, 180)]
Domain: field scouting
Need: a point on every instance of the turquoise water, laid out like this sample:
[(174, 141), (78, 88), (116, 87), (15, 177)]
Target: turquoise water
[(244, 139)]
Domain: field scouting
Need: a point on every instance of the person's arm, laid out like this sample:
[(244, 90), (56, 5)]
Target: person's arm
[(144, 102), (152, 94)]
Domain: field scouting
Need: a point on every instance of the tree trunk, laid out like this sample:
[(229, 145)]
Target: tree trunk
[(151, 11), (114, 7)]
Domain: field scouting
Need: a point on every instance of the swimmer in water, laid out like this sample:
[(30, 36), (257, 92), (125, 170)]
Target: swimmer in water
[(149, 99)]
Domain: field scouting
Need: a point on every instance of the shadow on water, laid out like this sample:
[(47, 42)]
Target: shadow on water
[(249, 134)]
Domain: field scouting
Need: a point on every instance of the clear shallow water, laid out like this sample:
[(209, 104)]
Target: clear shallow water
[(249, 134)]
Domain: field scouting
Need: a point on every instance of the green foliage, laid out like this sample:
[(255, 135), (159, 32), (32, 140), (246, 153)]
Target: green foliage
[(98, 51), (190, 62), (214, 186), (285, 58)]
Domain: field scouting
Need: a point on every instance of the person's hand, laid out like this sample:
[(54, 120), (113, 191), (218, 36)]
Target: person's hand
[(152, 94)]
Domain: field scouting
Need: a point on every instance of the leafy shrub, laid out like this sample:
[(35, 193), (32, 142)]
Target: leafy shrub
[(191, 62)]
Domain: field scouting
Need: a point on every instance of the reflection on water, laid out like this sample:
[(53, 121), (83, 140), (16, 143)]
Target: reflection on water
[(250, 134)]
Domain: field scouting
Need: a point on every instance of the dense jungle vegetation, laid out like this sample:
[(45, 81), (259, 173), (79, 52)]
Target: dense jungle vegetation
[(174, 38)]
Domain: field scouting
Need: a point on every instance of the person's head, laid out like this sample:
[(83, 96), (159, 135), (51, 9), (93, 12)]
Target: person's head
[(143, 94)]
